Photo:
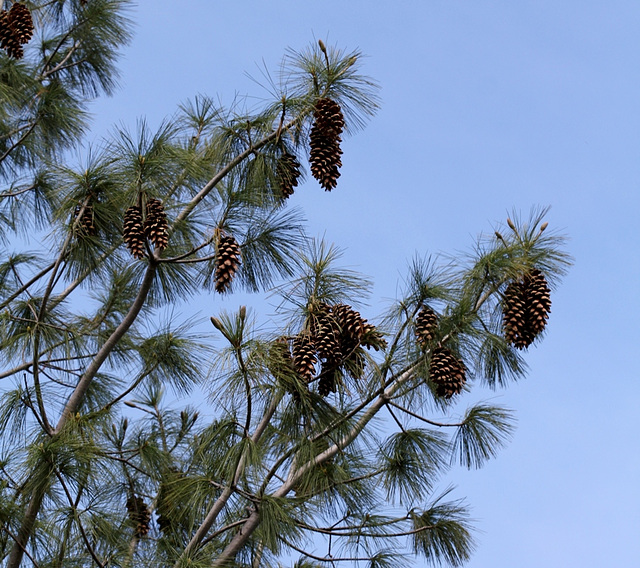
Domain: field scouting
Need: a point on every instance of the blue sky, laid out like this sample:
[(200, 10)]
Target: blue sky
[(487, 107)]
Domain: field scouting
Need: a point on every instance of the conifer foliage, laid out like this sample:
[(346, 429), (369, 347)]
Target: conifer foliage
[(318, 423)]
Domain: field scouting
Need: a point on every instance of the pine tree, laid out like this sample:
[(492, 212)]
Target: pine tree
[(100, 466)]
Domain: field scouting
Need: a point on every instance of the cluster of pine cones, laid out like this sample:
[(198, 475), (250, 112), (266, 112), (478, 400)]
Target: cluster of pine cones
[(137, 230), (526, 306), (446, 371), (139, 515), (334, 337), (325, 151), (16, 29)]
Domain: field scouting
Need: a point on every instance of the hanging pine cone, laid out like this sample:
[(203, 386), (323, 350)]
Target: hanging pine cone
[(539, 301), (324, 141), (446, 372), (227, 262), (139, 514), (155, 224), (426, 325), (525, 309), (351, 326), (8, 39), (21, 23), (287, 173), (328, 379), (133, 232), (85, 226), (163, 512), (304, 357), (326, 338), (514, 316)]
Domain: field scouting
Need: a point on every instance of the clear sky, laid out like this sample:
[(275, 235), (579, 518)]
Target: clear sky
[(487, 107)]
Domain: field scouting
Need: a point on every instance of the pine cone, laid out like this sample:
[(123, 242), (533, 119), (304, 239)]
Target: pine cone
[(426, 325), (139, 514), (133, 232), (326, 338), (525, 309), (155, 224), (351, 327), (85, 226), (324, 141), (539, 301), (21, 23), (8, 39), (304, 357), (227, 262), (287, 173), (446, 372), (328, 379)]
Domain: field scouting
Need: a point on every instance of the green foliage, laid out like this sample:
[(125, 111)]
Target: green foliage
[(98, 466), (413, 460), (442, 533), (484, 430)]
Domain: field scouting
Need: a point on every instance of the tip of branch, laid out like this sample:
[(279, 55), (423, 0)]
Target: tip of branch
[(217, 324)]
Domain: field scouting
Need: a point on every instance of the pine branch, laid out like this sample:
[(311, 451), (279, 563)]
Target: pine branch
[(74, 505), (73, 404), (423, 419), (221, 501)]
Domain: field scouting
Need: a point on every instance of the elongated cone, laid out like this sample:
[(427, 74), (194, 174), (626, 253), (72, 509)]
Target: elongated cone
[(133, 232), (155, 224), (526, 306), (426, 325), (287, 173), (85, 226), (447, 372), (351, 326), (227, 262), (328, 379), (8, 40), (21, 22), (139, 514), (324, 141), (538, 301), (304, 357), (326, 338)]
